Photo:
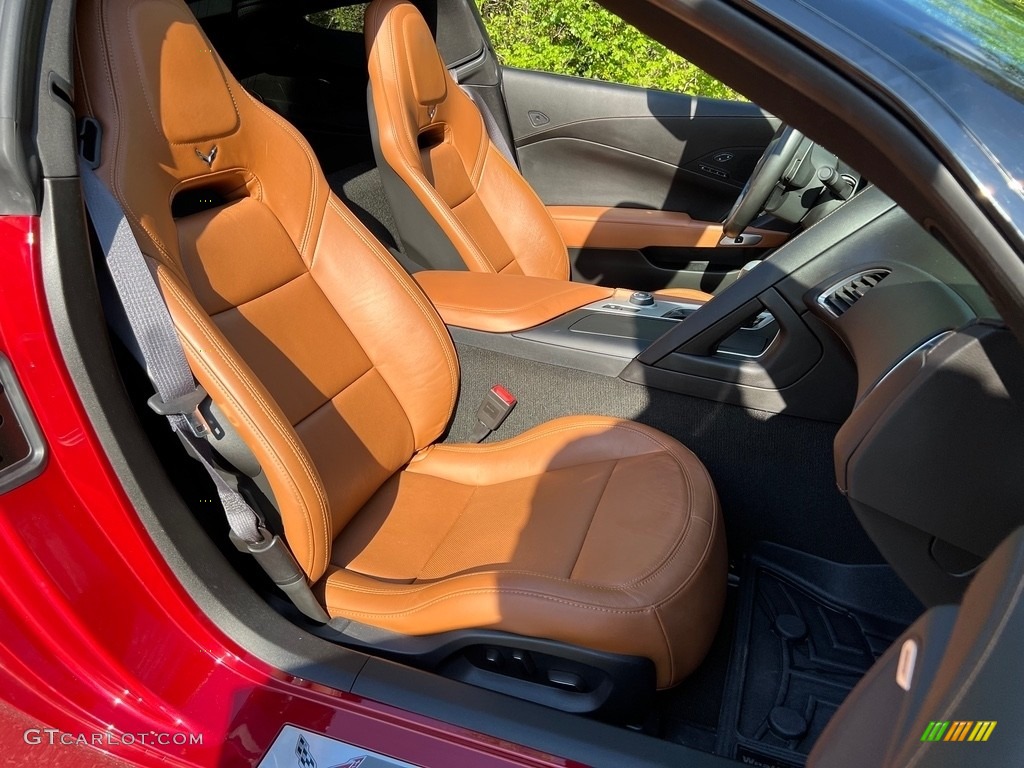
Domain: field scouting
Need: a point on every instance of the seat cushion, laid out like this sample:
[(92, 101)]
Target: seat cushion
[(589, 530)]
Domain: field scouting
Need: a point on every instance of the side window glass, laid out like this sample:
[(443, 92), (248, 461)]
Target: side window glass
[(580, 38), (348, 18)]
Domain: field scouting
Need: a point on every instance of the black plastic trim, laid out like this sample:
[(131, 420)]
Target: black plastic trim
[(569, 736), (33, 447), (616, 687), (20, 29), (953, 486)]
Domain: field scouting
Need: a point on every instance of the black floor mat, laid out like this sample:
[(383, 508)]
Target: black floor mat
[(360, 188), (688, 713), (806, 631)]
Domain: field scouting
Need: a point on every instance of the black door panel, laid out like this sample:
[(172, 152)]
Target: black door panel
[(589, 143), (586, 142), (652, 269), (568, 170)]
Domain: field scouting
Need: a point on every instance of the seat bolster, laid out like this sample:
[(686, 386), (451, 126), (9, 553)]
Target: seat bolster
[(674, 630), (647, 581), (522, 219), (564, 442), (253, 412), (398, 328), (690, 616)]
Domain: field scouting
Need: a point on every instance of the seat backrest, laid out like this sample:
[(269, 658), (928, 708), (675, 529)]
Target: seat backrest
[(443, 175), (322, 353)]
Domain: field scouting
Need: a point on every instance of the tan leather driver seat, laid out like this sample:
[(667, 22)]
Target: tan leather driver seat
[(457, 200), (339, 375)]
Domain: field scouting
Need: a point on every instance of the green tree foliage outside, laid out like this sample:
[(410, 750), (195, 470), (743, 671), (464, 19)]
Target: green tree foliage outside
[(571, 37), (346, 19), (579, 37)]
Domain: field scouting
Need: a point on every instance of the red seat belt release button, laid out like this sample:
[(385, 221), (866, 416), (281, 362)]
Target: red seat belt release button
[(495, 408)]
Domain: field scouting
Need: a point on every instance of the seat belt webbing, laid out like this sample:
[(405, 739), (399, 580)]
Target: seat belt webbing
[(178, 397)]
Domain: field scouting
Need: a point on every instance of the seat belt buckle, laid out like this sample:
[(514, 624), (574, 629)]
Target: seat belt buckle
[(186, 406), (495, 408)]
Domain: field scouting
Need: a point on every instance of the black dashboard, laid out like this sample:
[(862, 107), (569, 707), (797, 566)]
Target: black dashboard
[(874, 326), (932, 437)]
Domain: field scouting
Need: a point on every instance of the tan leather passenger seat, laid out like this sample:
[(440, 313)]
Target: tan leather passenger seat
[(339, 375), (467, 196)]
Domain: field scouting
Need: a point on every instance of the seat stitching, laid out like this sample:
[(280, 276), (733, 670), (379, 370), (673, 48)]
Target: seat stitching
[(520, 308), (489, 591), (675, 547), (267, 411), (221, 69), (455, 522), (593, 516), (417, 297), (314, 168), (480, 164), (330, 399), (332, 583), (478, 255), (263, 292)]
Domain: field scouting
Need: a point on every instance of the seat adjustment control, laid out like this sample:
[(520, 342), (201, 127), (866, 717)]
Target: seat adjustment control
[(568, 680), (524, 662)]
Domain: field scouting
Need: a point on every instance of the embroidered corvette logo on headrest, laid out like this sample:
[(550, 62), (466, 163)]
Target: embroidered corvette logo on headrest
[(208, 158)]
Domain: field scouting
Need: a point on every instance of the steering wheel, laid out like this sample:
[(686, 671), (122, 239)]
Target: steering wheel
[(766, 175)]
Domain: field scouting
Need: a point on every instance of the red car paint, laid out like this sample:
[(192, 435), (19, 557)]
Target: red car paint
[(99, 637)]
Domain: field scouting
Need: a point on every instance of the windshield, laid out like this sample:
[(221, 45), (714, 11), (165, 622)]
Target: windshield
[(989, 33)]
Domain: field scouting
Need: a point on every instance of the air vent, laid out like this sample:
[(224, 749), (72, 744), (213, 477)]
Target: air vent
[(839, 298)]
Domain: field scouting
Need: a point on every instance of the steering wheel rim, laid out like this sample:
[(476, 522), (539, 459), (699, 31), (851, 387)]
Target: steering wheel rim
[(766, 175)]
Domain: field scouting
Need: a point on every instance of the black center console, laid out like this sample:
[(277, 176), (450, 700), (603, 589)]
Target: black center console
[(624, 329)]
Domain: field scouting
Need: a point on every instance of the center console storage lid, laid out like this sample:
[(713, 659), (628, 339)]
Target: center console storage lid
[(485, 301)]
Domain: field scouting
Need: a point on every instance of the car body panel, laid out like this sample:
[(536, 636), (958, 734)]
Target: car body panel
[(99, 629), (100, 637)]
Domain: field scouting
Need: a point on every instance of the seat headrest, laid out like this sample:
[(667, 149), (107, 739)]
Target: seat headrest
[(174, 119), (397, 31), (195, 104), (429, 77)]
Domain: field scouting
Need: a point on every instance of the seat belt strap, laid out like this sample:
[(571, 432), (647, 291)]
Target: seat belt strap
[(178, 397), (494, 132)]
